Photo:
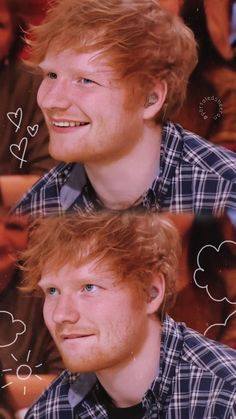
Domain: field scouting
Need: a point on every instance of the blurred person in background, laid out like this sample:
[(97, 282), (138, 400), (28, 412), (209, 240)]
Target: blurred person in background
[(209, 107), (18, 132), (194, 305), (27, 353), (34, 10), (5, 411)]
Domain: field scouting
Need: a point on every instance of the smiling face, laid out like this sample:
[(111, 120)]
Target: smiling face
[(96, 321), (85, 108)]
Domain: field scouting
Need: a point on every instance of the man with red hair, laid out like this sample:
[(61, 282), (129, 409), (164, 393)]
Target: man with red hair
[(114, 73), (108, 280)]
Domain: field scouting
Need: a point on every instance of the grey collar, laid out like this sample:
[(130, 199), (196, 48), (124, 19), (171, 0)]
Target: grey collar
[(73, 186), (80, 388)]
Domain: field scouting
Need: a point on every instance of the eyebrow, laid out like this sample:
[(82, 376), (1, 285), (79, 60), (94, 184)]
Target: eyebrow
[(102, 277), (76, 72)]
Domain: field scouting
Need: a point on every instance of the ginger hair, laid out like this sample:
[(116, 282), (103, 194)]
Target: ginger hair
[(135, 247), (141, 40)]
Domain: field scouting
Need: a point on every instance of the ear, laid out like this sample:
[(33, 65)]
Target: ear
[(156, 293), (155, 100)]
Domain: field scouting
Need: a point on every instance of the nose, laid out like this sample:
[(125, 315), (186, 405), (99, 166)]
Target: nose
[(65, 310), (54, 96)]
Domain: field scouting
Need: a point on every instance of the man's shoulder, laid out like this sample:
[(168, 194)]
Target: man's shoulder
[(53, 401), (51, 176), (205, 156), (45, 192), (208, 357), (195, 175), (197, 375), (193, 351)]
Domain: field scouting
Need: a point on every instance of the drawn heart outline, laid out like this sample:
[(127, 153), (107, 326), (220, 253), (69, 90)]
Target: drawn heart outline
[(33, 130), (17, 118), (23, 141)]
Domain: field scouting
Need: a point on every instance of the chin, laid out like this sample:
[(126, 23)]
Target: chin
[(78, 367), (83, 364), (58, 156)]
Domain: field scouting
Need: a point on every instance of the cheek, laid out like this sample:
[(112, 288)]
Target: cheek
[(112, 104), (119, 320), (42, 92), (47, 314), (123, 332)]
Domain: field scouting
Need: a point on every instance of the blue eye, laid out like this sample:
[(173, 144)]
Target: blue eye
[(90, 287), (52, 75), (86, 81), (52, 291)]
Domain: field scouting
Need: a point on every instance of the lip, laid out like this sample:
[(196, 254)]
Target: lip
[(64, 130), (74, 336)]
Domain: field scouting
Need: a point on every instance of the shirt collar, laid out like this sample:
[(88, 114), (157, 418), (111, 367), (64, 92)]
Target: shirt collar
[(80, 388), (170, 355), (170, 157), (171, 148), (73, 186), (170, 352)]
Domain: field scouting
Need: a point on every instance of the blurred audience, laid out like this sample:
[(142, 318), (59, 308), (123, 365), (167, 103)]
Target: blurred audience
[(27, 353), (34, 10), (195, 306), (5, 411), (209, 108), (24, 137)]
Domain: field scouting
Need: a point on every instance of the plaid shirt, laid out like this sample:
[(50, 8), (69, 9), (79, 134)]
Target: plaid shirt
[(196, 380), (194, 176)]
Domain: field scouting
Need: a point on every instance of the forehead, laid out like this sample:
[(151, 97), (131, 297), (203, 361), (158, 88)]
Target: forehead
[(76, 273), (73, 61)]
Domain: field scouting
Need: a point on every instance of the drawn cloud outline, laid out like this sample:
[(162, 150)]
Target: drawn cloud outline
[(13, 321), (202, 270), (219, 324)]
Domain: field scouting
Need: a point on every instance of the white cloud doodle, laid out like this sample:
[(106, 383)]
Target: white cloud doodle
[(200, 269), (220, 324), (16, 328)]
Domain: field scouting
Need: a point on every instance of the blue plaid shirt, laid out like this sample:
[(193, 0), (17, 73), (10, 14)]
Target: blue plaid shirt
[(194, 176), (196, 380)]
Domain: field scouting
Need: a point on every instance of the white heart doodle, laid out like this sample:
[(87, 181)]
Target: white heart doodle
[(15, 118), (23, 144), (33, 130)]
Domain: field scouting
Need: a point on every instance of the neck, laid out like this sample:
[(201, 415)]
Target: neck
[(120, 184), (126, 384)]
